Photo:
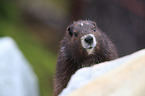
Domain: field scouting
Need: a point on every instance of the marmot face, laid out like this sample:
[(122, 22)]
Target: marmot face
[(83, 35)]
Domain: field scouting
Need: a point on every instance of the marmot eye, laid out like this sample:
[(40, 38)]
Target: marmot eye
[(75, 34)]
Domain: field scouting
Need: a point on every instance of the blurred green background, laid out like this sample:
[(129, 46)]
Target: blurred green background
[(38, 25), (14, 23)]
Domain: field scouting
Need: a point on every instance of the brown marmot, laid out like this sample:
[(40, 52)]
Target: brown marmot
[(83, 45)]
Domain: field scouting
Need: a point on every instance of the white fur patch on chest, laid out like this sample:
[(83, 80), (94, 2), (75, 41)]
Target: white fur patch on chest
[(90, 51)]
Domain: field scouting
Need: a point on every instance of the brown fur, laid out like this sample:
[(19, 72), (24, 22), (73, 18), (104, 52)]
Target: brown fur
[(72, 56)]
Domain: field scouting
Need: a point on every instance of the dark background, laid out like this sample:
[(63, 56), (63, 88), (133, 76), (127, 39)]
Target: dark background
[(38, 25)]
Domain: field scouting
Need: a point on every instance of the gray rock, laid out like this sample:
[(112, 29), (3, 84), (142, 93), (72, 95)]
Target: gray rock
[(85, 75), (16, 75)]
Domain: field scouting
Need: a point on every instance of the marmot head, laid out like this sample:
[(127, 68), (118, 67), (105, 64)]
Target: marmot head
[(83, 36)]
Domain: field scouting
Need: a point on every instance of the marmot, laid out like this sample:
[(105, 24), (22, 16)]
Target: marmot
[(83, 45)]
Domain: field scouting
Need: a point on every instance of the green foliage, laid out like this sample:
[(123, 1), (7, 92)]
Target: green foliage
[(40, 58), (9, 10)]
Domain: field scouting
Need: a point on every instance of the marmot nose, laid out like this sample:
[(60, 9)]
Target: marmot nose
[(89, 39)]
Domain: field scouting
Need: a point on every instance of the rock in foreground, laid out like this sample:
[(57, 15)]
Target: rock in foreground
[(122, 77), (16, 75)]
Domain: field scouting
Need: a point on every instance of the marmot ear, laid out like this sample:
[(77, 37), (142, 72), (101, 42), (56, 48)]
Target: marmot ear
[(70, 30)]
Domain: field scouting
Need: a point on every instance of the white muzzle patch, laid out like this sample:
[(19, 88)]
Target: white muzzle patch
[(89, 42)]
